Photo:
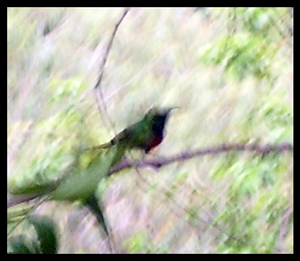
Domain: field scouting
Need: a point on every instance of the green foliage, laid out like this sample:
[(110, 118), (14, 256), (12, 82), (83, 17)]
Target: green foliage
[(21, 245), (253, 193), (242, 55), (18, 212), (50, 158), (46, 234), (229, 70), (260, 20), (58, 168), (45, 242), (251, 51), (97, 209), (83, 183), (276, 113), (63, 89), (137, 244)]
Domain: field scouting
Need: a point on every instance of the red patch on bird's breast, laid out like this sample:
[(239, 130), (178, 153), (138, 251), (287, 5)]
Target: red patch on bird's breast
[(156, 141)]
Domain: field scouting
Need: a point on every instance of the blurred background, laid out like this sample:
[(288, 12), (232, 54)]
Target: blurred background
[(228, 69)]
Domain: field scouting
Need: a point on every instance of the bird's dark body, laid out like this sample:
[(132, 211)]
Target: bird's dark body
[(145, 134), (157, 136), (155, 142)]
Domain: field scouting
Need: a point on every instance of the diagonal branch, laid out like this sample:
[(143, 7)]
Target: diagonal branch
[(97, 87), (98, 83)]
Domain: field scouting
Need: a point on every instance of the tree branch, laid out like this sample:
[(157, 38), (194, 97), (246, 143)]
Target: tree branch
[(159, 162), (183, 156), (12, 201)]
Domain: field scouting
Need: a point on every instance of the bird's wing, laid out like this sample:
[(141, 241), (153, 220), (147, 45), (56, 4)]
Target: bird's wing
[(122, 136), (133, 136)]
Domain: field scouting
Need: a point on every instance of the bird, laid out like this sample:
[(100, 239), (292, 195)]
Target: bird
[(145, 134)]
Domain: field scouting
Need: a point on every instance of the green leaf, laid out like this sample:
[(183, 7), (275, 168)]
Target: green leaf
[(84, 183), (15, 213), (31, 188), (46, 232), (136, 243), (21, 245), (46, 242), (98, 210)]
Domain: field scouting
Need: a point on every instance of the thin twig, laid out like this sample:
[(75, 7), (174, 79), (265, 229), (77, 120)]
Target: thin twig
[(165, 193), (97, 87), (284, 230)]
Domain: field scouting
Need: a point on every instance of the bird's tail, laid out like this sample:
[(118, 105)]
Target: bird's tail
[(102, 146)]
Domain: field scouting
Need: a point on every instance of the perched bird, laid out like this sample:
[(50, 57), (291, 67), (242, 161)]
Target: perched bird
[(145, 134)]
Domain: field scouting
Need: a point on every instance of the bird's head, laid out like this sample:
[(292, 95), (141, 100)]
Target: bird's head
[(159, 112), (158, 117)]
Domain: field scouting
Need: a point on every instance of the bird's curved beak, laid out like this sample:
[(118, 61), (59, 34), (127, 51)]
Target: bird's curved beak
[(171, 108)]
